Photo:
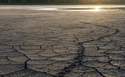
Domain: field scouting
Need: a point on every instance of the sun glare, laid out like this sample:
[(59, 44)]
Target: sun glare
[(97, 9)]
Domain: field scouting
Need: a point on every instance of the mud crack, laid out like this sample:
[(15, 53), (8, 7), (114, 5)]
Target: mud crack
[(78, 59)]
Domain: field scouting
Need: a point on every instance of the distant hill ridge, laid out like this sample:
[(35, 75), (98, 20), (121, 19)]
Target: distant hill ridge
[(62, 1)]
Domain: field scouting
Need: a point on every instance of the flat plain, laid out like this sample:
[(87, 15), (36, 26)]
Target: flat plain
[(62, 43)]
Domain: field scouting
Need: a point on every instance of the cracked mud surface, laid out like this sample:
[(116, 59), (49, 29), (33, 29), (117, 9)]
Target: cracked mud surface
[(62, 44)]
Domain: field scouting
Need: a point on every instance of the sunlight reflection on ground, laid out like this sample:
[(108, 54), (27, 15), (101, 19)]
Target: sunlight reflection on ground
[(64, 7)]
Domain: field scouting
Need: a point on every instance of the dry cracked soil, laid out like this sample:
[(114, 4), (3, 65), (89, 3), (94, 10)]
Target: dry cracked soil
[(62, 43)]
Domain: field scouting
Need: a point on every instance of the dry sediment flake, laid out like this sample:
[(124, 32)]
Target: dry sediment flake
[(20, 73), (11, 67), (112, 72)]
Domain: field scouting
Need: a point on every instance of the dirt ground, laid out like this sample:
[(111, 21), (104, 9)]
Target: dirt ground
[(62, 43)]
